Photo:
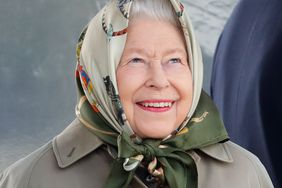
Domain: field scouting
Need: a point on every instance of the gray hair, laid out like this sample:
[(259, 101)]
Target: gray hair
[(161, 10)]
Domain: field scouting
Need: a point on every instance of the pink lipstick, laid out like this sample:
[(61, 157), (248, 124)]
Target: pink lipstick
[(156, 105)]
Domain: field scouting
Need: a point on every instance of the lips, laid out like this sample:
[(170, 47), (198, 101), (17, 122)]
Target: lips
[(156, 105)]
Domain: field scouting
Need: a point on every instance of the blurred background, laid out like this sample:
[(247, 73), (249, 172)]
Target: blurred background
[(37, 62)]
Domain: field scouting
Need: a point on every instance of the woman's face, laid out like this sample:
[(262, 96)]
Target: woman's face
[(154, 79)]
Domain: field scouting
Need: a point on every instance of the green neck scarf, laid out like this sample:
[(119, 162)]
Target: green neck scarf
[(168, 159)]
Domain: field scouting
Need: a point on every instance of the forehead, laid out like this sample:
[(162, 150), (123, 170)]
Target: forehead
[(143, 31)]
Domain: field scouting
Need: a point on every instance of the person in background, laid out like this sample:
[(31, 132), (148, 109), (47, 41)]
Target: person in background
[(246, 78), (143, 119)]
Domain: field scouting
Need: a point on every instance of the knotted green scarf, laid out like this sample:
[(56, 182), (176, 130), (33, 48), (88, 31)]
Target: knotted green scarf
[(99, 108), (205, 128)]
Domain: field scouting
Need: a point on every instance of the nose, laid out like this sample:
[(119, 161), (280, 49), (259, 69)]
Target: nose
[(157, 77)]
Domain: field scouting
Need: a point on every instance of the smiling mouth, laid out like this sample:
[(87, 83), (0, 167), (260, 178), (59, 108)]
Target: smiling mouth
[(156, 106)]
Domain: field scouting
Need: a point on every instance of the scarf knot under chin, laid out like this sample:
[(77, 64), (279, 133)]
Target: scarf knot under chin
[(164, 163), (128, 147)]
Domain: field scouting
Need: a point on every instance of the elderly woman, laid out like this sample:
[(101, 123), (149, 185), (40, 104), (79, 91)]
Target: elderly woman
[(142, 117)]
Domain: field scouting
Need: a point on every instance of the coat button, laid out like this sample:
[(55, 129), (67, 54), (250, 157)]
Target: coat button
[(150, 179)]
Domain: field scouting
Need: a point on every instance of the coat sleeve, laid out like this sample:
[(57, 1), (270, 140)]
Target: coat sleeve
[(260, 175), (18, 174), (14, 176)]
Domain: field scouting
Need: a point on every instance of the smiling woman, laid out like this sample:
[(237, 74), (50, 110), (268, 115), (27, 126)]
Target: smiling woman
[(142, 117)]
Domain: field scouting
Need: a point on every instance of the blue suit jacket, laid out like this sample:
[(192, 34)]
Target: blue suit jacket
[(246, 82)]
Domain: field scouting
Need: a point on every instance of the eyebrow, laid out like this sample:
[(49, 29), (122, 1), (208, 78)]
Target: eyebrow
[(145, 52)]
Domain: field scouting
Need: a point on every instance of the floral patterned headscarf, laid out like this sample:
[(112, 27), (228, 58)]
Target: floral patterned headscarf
[(99, 107)]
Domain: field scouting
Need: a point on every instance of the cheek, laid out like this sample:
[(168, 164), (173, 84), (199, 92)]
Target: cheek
[(124, 87), (128, 82), (182, 81), (184, 87), (129, 79)]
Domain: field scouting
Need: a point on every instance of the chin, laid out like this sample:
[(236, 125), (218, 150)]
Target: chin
[(156, 134)]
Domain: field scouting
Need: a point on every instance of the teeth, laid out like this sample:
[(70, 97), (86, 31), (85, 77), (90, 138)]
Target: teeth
[(157, 105)]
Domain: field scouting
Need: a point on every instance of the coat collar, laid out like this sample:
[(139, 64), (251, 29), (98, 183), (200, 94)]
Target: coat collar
[(73, 143), (76, 141), (219, 152)]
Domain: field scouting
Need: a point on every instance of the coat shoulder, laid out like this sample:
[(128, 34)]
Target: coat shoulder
[(18, 174), (256, 169)]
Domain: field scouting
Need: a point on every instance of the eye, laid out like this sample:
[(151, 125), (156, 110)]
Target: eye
[(175, 60), (136, 60)]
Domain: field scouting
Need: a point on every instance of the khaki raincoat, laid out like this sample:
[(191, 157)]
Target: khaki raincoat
[(77, 159)]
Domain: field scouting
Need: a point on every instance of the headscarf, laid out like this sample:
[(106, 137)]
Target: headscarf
[(99, 108)]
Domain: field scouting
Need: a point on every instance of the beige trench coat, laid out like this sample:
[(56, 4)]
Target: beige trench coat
[(78, 159)]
